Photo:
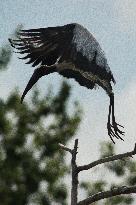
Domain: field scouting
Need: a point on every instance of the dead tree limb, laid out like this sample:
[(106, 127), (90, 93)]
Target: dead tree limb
[(101, 195), (74, 188), (108, 194), (107, 159)]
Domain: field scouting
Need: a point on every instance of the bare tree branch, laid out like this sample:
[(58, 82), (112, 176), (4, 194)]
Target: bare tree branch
[(74, 188), (101, 195), (65, 148), (107, 159), (108, 194)]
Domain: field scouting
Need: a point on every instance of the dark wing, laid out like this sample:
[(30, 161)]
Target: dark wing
[(68, 43), (44, 45)]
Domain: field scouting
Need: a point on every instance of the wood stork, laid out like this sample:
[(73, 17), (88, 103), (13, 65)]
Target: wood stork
[(72, 51)]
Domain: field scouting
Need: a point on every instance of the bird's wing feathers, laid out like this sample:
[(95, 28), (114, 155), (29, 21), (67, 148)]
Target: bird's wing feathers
[(70, 43), (43, 45)]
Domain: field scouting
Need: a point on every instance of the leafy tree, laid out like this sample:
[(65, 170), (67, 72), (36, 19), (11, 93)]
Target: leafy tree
[(124, 172), (5, 56), (6, 51), (32, 167)]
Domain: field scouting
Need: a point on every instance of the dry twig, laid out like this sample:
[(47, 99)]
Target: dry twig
[(101, 195)]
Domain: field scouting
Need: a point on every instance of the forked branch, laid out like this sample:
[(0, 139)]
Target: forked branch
[(74, 192), (101, 195)]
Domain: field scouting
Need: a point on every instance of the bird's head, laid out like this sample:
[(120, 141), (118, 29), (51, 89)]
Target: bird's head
[(38, 73)]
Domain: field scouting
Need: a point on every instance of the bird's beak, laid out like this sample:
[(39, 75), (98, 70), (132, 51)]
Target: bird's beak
[(38, 73)]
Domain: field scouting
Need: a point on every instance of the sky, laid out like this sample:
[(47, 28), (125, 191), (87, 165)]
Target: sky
[(113, 23)]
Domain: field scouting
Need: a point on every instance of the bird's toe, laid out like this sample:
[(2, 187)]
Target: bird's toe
[(114, 131)]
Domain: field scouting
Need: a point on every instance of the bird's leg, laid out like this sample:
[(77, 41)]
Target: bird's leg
[(109, 126), (113, 130), (115, 125)]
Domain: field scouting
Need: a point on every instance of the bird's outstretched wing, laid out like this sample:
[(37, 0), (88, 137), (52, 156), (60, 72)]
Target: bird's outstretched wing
[(44, 45), (71, 43)]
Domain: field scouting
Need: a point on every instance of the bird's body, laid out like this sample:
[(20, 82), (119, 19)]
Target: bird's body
[(72, 51)]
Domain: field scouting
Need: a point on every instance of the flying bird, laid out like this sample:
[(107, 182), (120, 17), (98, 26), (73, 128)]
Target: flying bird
[(72, 51)]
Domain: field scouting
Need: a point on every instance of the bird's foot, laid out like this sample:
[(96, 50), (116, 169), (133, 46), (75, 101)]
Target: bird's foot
[(114, 131), (117, 131)]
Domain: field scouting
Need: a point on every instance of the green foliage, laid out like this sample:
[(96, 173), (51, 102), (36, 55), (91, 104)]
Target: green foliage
[(124, 172), (32, 166), (121, 200), (6, 51), (29, 152), (5, 56), (94, 187)]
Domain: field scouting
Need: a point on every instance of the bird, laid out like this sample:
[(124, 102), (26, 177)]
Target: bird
[(73, 52)]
